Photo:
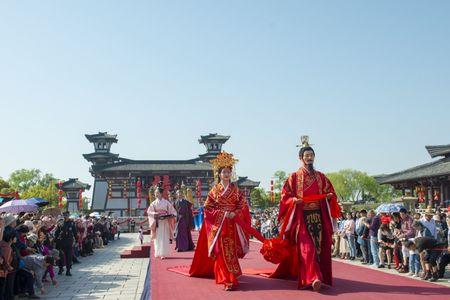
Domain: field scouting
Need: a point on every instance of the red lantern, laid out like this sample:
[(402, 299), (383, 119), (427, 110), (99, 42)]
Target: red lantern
[(420, 191), (199, 190), (125, 192), (109, 189), (156, 180), (139, 192), (272, 194), (436, 196), (80, 199), (60, 194), (166, 186)]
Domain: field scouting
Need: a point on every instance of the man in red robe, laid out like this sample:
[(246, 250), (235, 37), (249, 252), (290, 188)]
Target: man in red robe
[(310, 224)]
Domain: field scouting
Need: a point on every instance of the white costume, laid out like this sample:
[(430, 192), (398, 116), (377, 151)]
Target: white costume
[(161, 234)]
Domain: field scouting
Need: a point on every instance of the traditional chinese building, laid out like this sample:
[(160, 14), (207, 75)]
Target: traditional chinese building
[(429, 182), (121, 185), (74, 189)]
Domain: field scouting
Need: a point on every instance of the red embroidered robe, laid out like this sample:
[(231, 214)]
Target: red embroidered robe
[(309, 229), (222, 241)]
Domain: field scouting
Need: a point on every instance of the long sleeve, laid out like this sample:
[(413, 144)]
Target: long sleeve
[(57, 232), (36, 265), (375, 224), (171, 210), (242, 207), (288, 193), (190, 215), (335, 209), (210, 208), (151, 210), (74, 231)]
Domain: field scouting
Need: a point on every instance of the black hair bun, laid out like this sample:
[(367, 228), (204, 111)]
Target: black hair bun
[(160, 187)]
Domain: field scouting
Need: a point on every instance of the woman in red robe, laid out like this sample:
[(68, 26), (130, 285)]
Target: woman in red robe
[(310, 224), (222, 240)]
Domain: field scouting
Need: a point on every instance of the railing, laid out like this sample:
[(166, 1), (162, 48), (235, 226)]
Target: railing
[(124, 223)]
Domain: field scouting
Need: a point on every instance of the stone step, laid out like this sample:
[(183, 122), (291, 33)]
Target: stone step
[(140, 251), (135, 255)]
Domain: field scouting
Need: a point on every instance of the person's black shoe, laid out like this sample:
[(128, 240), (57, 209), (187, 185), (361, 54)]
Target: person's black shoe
[(60, 271), (68, 273), (33, 297), (434, 277), (380, 266)]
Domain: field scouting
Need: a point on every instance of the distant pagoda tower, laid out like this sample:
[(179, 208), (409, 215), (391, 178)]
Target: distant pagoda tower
[(102, 145), (213, 143), (73, 187)]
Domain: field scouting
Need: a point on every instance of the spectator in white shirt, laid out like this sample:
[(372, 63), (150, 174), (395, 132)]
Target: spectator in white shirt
[(429, 222)]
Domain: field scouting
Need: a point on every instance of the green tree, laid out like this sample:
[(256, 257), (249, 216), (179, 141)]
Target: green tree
[(342, 186), (352, 185), (3, 184), (49, 193), (21, 180), (259, 198), (279, 179), (86, 205), (4, 187), (47, 179), (385, 193), (32, 183)]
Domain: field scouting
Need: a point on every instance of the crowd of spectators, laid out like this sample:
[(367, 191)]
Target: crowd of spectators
[(33, 246), (412, 243)]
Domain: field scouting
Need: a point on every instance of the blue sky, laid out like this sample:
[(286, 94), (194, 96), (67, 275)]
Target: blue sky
[(369, 82)]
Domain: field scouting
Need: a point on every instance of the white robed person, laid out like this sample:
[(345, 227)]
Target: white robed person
[(159, 214)]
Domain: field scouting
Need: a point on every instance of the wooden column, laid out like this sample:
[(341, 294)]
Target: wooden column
[(446, 190), (430, 195), (441, 194)]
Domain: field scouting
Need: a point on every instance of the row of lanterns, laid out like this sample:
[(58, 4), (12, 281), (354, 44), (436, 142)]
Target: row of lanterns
[(138, 183)]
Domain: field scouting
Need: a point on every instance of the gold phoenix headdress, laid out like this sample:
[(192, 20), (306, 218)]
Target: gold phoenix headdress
[(223, 160)]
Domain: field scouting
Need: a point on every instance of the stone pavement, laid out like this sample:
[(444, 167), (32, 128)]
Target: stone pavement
[(103, 275)]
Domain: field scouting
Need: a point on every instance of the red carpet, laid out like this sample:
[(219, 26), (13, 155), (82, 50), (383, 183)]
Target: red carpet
[(350, 282), (184, 270)]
